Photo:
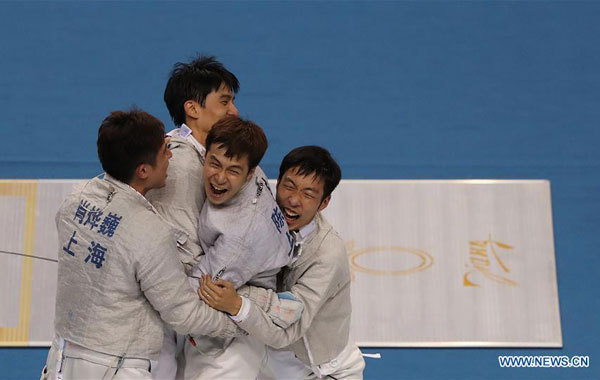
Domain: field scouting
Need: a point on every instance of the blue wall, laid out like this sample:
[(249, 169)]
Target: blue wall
[(394, 89)]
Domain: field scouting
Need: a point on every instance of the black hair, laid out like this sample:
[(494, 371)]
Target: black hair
[(194, 81), (127, 139), (239, 138), (312, 159)]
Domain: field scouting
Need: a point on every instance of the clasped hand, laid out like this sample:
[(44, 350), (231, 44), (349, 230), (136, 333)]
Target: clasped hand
[(220, 295)]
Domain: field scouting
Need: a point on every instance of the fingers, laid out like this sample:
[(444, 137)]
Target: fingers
[(207, 297), (210, 290), (207, 283), (214, 287), (225, 284), (207, 279), (214, 294), (201, 295), (203, 290)]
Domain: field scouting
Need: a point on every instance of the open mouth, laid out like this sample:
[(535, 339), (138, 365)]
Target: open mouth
[(289, 214), (217, 190)]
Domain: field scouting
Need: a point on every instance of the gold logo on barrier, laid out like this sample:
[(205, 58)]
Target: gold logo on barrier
[(480, 262), (426, 260), (19, 335)]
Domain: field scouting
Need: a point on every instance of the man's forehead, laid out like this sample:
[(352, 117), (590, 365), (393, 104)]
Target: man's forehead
[(296, 172), (224, 89), (220, 152)]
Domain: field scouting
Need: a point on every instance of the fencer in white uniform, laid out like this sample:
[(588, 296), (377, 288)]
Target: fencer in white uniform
[(198, 94), (119, 276), (245, 240), (319, 344)]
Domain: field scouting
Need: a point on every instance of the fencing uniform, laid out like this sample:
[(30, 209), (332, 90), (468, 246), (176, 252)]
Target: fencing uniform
[(320, 278), (180, 202), (245, 240), (119, 278), (181, 199)]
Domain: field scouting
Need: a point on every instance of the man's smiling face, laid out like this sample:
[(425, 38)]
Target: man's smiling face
[(300, 197), (217, 105), (224, 176)]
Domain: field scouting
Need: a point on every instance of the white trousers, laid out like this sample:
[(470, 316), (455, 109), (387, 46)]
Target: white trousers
[(166, 366), (242, 360), (283, 365), (76, 362)]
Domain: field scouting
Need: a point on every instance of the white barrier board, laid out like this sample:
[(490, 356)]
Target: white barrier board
[(434, 263)]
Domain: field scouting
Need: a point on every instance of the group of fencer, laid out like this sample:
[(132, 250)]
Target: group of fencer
[(180, 263)]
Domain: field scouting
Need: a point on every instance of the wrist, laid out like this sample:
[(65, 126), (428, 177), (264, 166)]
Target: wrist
[(243, 310), (237, 305)]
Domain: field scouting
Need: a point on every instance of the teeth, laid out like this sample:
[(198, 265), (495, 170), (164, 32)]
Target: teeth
[(217, 189), (289, 214)]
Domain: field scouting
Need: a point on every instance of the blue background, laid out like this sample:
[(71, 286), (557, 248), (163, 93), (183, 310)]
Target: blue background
[(402, 90)]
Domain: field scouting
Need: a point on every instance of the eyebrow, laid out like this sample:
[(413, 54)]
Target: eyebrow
[(288, 179), (214, 158), (227, 96)]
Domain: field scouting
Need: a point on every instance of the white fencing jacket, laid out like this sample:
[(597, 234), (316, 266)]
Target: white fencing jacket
[(320, 278), (119, 275), (181, 200), (246, 239)]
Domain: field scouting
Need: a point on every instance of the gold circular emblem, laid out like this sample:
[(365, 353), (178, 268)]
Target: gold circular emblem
[(426, 260)]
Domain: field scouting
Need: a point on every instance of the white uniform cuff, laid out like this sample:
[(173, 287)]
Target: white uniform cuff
[(243, 312)]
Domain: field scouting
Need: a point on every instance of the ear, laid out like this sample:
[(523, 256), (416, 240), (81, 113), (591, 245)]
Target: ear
[(192, 108), (250, 173), (324, 203), (142, 171)]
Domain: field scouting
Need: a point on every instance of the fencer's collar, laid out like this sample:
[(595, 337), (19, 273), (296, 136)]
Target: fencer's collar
[(305, 231), (300, 237), (116, 184), (186, 132)]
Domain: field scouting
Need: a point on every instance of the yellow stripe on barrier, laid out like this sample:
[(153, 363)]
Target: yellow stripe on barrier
[(19, 336)]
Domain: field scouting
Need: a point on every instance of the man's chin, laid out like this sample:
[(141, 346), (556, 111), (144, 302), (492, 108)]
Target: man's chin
[(292, 225), (215, 201)]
